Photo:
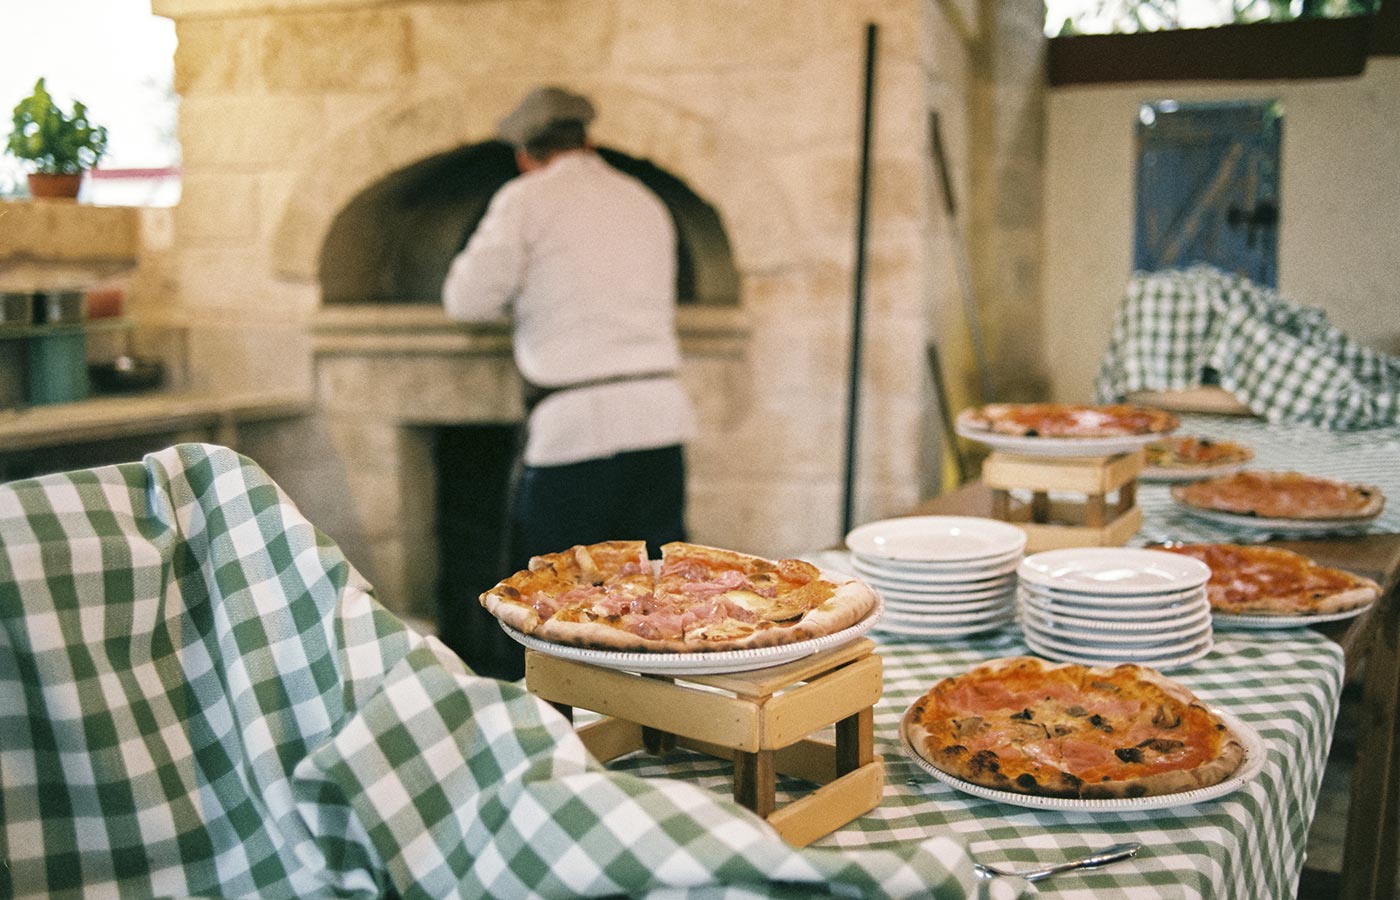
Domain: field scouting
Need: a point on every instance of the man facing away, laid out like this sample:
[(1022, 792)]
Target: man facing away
[(583, 259)]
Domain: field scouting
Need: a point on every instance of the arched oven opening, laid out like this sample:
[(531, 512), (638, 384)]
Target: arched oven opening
[(394, 241), (392, 244)]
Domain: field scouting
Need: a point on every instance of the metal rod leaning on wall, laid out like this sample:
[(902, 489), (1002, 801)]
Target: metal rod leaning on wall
[(858, 293), (950, 207)]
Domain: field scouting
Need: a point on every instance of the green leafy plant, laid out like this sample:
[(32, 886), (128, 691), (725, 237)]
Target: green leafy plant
[(56, 143)]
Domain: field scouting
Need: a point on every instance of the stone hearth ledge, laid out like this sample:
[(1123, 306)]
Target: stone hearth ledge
[(424, 328), (109, 418)]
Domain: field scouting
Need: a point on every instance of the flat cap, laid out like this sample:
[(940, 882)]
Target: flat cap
[(541, 108)]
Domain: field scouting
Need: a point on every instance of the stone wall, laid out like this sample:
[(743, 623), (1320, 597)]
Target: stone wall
[(288, 109)]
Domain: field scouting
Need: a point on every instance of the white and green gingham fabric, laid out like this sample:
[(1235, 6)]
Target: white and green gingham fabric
[(1248, 845), (199, 696), (1369, 457), (1284, 361)]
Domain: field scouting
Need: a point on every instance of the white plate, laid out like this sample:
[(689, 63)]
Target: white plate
[(1116, 571), (1168, 613), (718, 663), (1085, 658), (906, 580), (1089, 598), (943, 631), (1181, 474), (1231, 620), (947, 620), (1085, 602), (1243, 522), (1000, 601), (1058, 447), (1130, 647), (970, 568), (1057, 619), (935, 597), (936, 539), (1254, 756)]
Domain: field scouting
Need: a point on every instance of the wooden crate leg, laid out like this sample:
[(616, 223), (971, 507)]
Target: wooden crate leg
[(756, 781), (855, 741), (1040, 506), (658, 743), (1095, 511), (1127, 496), (1001, 504)]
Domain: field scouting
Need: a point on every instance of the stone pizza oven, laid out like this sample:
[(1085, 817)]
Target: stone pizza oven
[(338, 153)]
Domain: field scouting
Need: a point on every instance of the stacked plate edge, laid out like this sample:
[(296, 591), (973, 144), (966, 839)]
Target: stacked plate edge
[(940, 576), (1104, 606)]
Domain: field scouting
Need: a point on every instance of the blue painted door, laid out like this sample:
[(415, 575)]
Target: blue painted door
[(1207, 187)]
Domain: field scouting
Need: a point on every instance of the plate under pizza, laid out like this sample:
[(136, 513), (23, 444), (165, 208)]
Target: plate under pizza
[(1266, 524), (719, 662), (1249, 770), (1264, 623)]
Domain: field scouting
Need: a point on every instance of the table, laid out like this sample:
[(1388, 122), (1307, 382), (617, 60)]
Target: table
[(1285, 683), (1248, 844)]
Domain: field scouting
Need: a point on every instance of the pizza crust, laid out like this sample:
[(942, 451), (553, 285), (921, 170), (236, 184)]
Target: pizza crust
[(1018, 758), (1257, 580), (1263, 494), (1066, 420), (697, 600)]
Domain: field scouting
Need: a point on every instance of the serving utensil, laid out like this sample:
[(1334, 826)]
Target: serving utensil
[(1091, 861)]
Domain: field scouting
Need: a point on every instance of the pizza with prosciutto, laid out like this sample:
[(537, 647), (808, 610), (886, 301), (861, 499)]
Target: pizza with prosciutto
[(1032, 727), (1067, 420), (610, 596), (1282, 495), (1253, 580)]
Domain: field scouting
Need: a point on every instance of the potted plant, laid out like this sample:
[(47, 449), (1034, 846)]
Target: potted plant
[(61, 147)]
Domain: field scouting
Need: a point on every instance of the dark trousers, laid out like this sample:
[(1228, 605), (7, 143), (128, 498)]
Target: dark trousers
[(637, 495)]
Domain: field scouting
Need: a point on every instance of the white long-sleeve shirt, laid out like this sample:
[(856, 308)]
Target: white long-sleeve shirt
[(583, 258)]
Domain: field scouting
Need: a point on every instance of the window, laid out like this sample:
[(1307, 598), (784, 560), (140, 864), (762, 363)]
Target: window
[(1067, 17), (118, 59)]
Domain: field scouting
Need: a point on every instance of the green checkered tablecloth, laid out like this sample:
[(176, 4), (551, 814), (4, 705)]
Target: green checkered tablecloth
[(1363, 457), (199, 696), (1282, 360), (1247, 845)]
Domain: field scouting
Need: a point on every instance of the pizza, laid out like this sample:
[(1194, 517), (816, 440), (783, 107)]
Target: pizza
[(1282, 495), (1269, 581), (610, 596), (1187, 452), (1027, 726), (1066, 420)]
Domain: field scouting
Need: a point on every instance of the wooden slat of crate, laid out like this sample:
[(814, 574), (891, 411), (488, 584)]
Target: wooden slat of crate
[(1086, 475), (704, 715), (831, 806)]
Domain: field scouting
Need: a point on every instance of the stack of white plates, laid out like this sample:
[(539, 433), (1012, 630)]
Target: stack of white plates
[(940, 576), (1111, 605)]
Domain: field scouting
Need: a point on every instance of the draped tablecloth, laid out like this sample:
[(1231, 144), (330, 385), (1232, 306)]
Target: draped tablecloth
[(1364, 457), (1184, 328), (199, 696), (1247, 845)]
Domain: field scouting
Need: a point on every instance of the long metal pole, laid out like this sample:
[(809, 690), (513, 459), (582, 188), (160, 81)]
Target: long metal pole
[(858, 299)]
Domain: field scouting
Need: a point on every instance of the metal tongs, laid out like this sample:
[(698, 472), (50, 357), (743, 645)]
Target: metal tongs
[(1092, 861)]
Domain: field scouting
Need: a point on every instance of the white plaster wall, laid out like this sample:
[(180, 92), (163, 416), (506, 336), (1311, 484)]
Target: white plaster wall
[(1339, 236)]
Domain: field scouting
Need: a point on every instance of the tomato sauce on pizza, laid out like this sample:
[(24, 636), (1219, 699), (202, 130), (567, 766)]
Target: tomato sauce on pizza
[(1270, 581), (700, 599), (1027, 726), (1282, 495), (1068, 420)]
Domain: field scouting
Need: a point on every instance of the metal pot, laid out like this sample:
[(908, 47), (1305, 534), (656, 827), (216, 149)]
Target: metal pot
[(59, 307), (16, 309)]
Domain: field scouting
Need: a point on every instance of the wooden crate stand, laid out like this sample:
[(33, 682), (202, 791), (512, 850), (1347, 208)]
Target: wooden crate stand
[(1049, 523), (761, 720)]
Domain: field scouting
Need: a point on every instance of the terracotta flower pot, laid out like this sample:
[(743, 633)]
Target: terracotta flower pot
[(43, 184)]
